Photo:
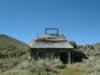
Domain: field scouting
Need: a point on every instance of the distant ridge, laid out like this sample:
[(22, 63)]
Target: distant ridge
[(7, 40), (12, 52)]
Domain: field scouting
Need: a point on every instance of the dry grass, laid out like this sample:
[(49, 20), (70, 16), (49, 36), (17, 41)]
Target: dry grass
[(46, 67)]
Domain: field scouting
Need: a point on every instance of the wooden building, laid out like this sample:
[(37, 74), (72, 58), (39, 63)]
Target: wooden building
[(55, 45)]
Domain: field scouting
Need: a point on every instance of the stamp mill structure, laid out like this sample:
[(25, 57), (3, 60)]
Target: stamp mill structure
[(55, 45)]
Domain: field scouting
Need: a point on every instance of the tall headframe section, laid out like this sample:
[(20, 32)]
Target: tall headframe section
[(54, 30)]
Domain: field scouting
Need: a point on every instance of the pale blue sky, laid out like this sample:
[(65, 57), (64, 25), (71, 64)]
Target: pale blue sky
[(79, 20)]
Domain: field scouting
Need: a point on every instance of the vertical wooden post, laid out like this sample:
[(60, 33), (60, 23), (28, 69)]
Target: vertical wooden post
[(37, 55), (69, 57), (45, 55)]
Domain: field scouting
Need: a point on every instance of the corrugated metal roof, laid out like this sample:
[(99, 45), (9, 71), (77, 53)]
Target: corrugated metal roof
[(48, 38), (51, 41), (51, 45)]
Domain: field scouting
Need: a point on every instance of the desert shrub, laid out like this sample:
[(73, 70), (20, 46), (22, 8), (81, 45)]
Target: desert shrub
[(62, 66), (44, 66), (97, 45), (73, 43)]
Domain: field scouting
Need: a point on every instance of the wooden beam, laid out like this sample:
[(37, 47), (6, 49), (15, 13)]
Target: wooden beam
[(69, 57)]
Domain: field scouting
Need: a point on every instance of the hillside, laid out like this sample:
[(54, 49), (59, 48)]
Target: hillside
[(11, 52), (14, 61), (6, 40)]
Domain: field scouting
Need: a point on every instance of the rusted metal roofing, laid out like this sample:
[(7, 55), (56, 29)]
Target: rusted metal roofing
[(51, 41)]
